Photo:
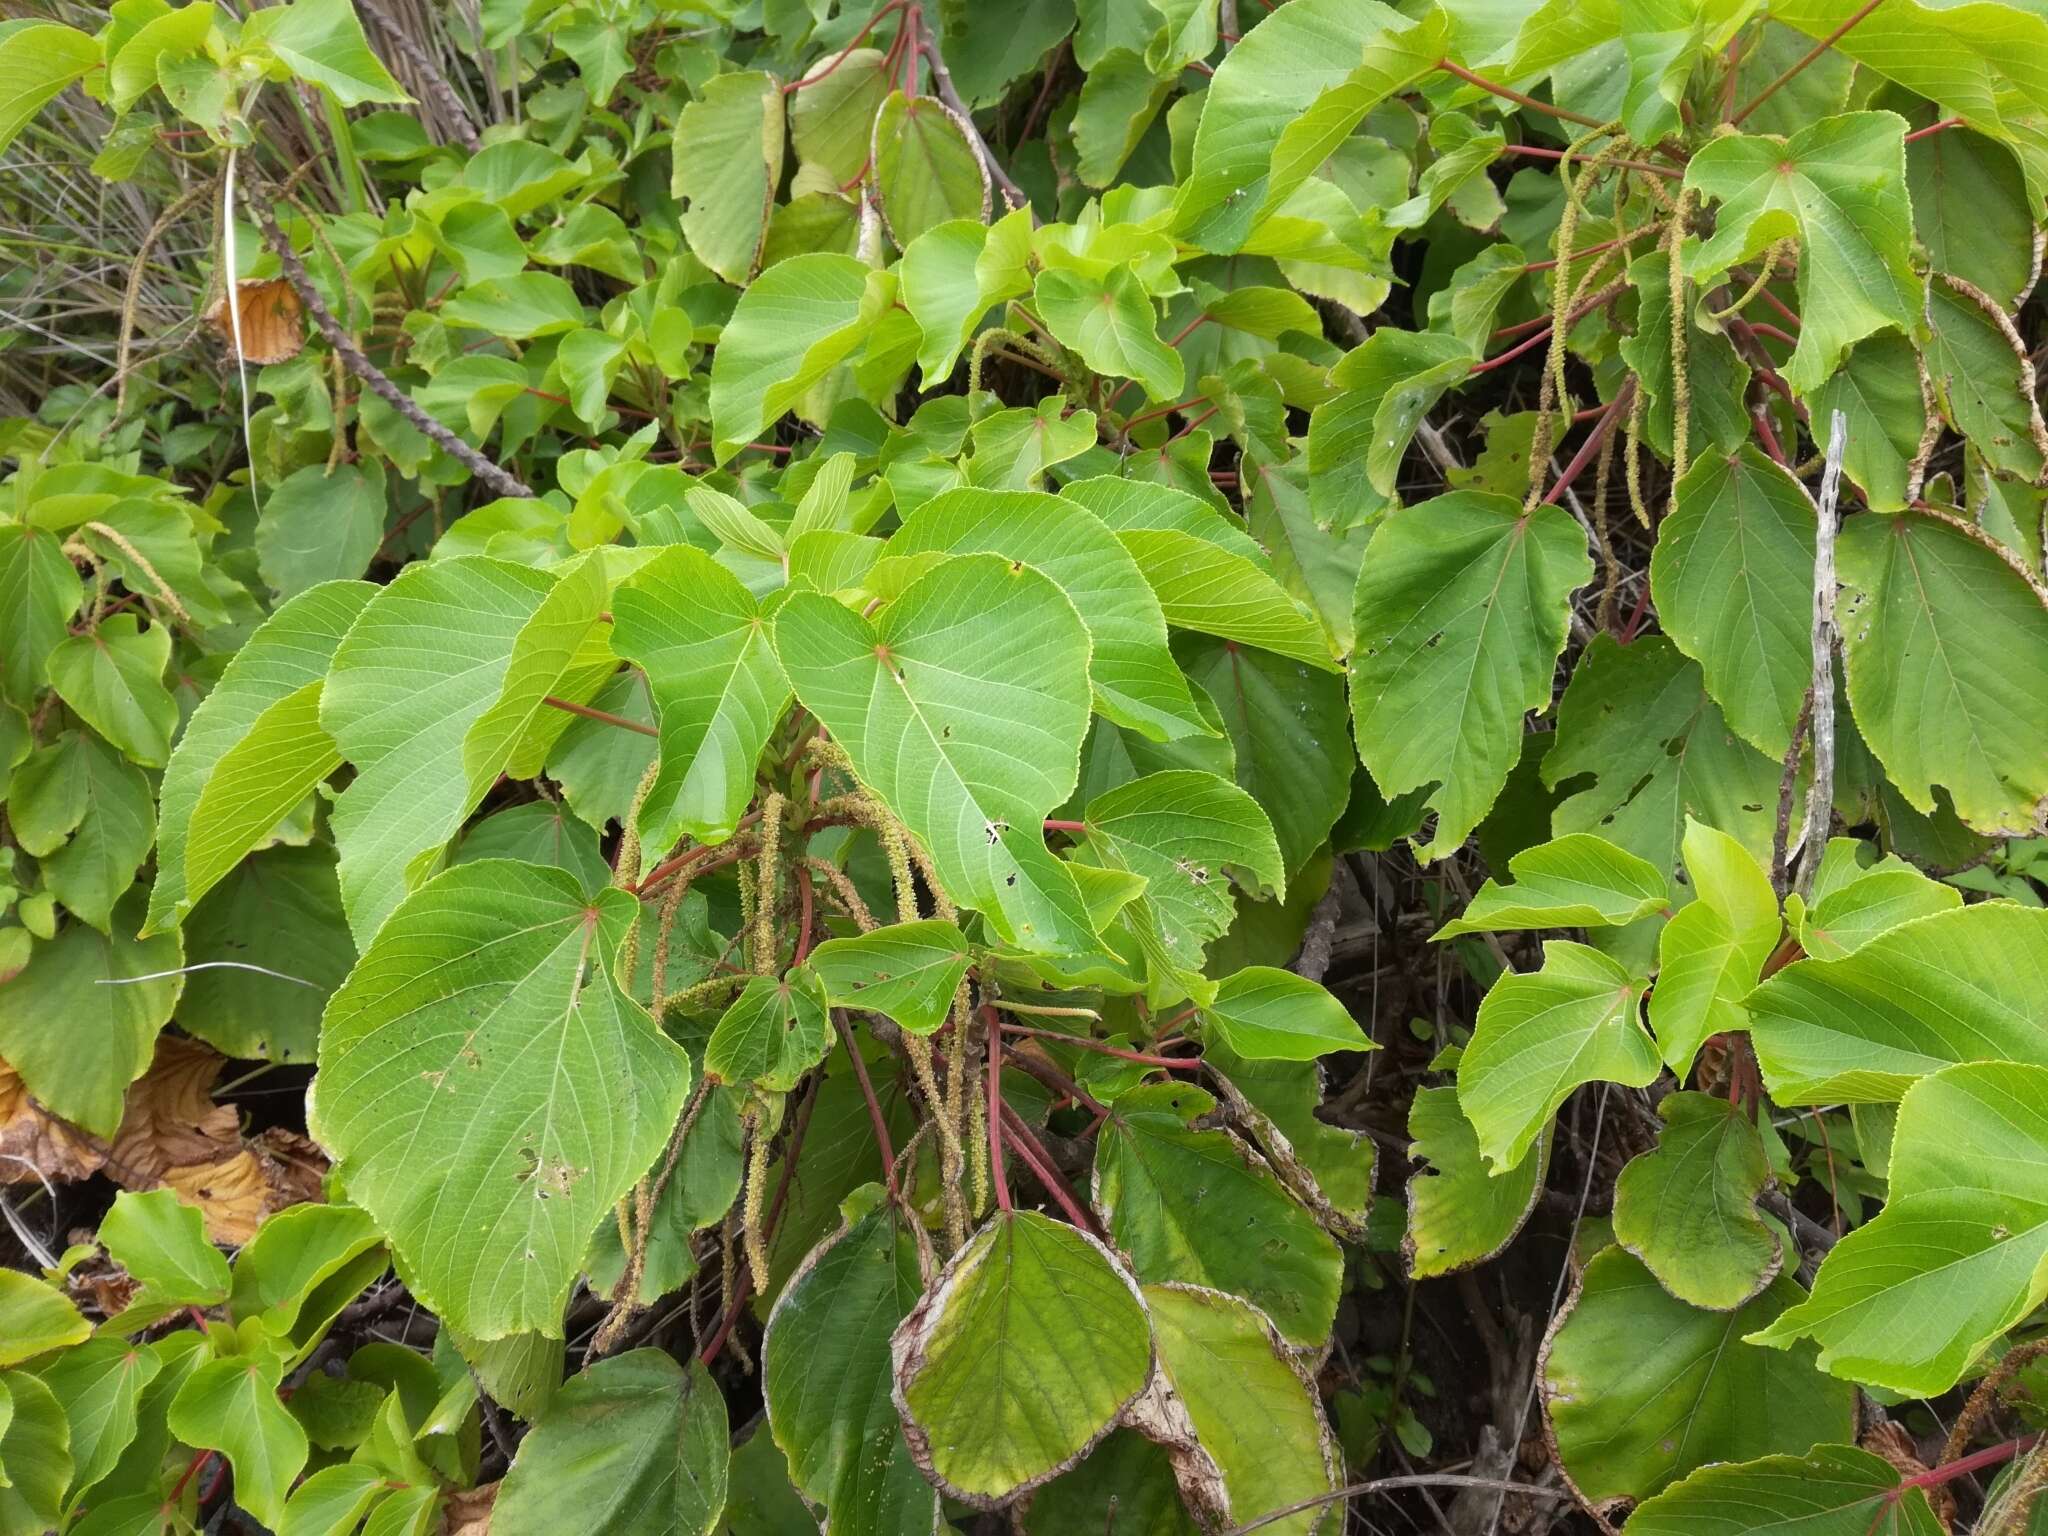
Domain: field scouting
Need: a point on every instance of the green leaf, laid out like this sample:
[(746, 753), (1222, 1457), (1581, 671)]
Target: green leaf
[(635, 1442), (1328, 1167), (429, 695), (1946, 649), (519, 307), (79, 788), (1257, 1423), (100, 1387), (162, 1244), (488, 1093), (1732, 576), (825, 1374), (1126, 1480), (59, 998), (1287, 727), (943, 290), (112, 678), (1267, 1014), (718, 692), (1710, 955), (539, 832), (1833, 1490), (1574, 881), (1542, 1034), (926, 172), (990, 50), (1110, 322), (1358, 437), (334, 1500), (280, 910), (907, 972), (1981, 382), (1316, 559), (1958, 986), (323, 43), (792, 326), (319, 527), (1208, 574), (1200, 1207), (1971, 211), (1687, 1208), (1266, 84), (1179, 831), (1013, 449), (1913, 1298), (728, 159), (39, 589), (1878, 389), (1839, 187), (1637, 719), (773, 1033), (35, 1317), (37, 60), (1019, 1358), (1459, 1215), (230, 1405), (252, 750), (1119, 99), (1641, 1389), (35, 1442), (1972, 59), (1135, 680), (1853, 904), (832, 112), (1462, 611), (1393, 53), (963, 705)]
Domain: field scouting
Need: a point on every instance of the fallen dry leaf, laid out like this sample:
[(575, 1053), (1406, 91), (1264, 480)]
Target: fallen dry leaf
[(232, 1195), (469, 1511), (273, 325), (35, 1144), (170, 1119), (274, 1169)]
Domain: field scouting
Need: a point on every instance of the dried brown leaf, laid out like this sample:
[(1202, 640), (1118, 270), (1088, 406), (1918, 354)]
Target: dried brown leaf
[(35, 1144)]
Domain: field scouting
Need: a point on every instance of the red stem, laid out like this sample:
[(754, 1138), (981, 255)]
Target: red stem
[(1593, 250), (1515, 96), (1963, 1466), (602, 716), (1537, 340), (1941, 127), (867, 1091), (1539, 152), (995, 1107), (1035, 1157), (1591, 445), (803, 931), (1165, 410), (1066, 826), (1185, 331), (1760, 419), (1184, 431), (1102, 1047), (1804, 59), (185, 1477), (858, 38), (1635, 618), (689, 858), (610, 405)]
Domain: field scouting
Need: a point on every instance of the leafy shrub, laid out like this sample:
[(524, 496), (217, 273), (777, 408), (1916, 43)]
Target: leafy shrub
[(783, 712)]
